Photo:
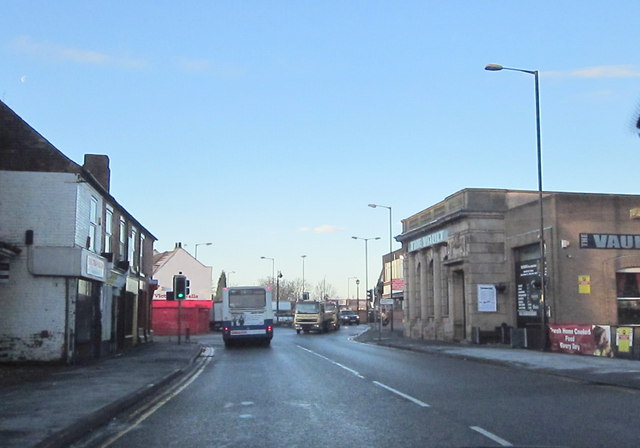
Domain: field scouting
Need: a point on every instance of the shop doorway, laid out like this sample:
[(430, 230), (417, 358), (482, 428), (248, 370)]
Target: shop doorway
[(459, 306), (88, 325)]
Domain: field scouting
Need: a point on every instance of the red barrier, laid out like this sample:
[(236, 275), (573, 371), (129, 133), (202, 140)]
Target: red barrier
[(195, 316)]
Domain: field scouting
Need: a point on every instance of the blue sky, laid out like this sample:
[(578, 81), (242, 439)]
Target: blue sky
[(266, 127)]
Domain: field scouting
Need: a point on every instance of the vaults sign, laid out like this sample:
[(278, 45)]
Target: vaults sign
[(609, 241)]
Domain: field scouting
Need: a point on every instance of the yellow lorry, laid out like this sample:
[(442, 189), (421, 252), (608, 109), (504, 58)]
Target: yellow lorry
[(312, 315)]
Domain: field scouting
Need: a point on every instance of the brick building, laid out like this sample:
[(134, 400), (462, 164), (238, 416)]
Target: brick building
[(76, 267)]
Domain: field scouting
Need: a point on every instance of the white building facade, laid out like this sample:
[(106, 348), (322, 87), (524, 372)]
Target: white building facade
[(168, 264), (77, 267)]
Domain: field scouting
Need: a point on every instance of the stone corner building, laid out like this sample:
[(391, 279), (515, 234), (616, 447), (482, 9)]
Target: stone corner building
[(472, 263)]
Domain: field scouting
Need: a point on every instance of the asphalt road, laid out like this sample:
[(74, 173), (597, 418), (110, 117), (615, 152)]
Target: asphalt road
[(314, 390)]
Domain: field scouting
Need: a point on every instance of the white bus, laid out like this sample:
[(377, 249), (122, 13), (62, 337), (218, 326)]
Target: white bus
[(247, 314)]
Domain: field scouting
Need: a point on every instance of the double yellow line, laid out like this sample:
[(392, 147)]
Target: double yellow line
[(142, 413)]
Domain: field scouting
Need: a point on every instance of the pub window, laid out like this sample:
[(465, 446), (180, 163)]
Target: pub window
[(628, 294), (444, 288), (431, 297), (627, 284)]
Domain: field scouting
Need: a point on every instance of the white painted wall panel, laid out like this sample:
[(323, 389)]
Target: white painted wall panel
[(42, 202)]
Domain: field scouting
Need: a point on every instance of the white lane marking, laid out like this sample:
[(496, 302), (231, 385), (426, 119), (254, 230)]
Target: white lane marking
[(354, 372), (495, 438), (207, 352), (402, 394)]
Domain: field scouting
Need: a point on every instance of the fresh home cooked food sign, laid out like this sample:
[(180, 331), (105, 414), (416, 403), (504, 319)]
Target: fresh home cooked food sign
[(609, 241)]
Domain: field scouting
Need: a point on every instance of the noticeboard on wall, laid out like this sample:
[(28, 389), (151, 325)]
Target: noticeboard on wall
[(487, 299)]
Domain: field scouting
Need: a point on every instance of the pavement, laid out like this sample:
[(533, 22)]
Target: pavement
[(589, 369), (54, 406)]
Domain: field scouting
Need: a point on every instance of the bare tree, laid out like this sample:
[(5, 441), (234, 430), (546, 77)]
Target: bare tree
[(289, 290), (324, 290)]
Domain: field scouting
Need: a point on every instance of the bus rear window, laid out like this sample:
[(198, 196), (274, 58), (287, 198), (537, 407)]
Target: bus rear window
[(246, 298)]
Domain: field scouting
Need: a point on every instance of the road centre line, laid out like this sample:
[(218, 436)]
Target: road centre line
[(377, 383), (491, 436), (402, 394), (354, 372)]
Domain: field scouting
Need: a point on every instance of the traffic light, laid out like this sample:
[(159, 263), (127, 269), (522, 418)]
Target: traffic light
[(370, 295), (180, 287)]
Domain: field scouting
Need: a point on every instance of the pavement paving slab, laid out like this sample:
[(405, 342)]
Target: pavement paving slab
[(590, 369), (50, 406)]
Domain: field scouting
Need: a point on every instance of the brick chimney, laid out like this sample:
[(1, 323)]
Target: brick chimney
[(98, 166)]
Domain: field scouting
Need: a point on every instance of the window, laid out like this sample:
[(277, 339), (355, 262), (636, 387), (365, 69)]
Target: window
[(444, 298), (243, 298), (93, 226), (133, 239), (122, 243), (628, 285), (108, 230), (141, 251), (628, 294)]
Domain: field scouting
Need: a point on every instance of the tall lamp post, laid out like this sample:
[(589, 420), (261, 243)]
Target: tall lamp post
[(358, 297), (366, 279), (303, 257), (273, 269), (349, 286), (541, 269), (390, 256), (201, 244), (229, 277)]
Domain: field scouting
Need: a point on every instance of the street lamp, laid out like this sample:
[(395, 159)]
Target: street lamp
[(541, 271), (366, 279), (303, 257), (273, 269), (358, 297), (349, 286), (201, 244), (390, 256)]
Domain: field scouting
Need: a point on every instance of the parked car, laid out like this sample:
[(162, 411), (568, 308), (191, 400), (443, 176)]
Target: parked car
[(348, 317)]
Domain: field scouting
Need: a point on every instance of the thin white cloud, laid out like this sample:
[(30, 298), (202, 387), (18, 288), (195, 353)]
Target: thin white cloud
[(27, 45), (600, 71), (206, 65), (608, 71), (195, 65), (326, 228)]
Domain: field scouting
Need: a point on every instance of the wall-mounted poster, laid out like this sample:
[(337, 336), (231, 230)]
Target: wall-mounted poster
[(487, 300)]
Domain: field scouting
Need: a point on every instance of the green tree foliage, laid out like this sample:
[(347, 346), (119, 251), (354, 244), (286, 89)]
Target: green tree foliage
[(222, 283)]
